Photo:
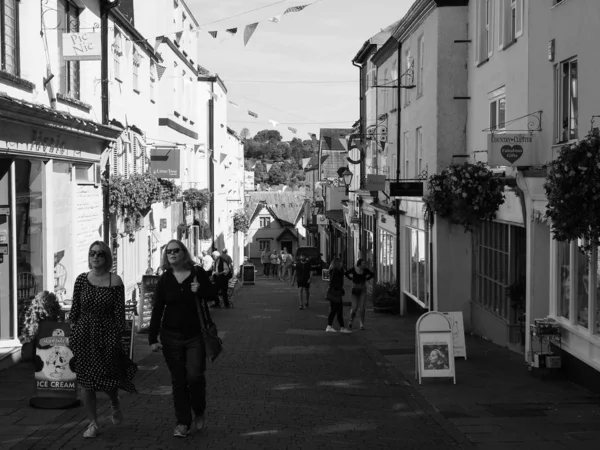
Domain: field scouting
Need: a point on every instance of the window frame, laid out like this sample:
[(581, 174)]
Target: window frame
[(17, 50), (70, 71), (484, 30), (418, 151), (135, 69), (409, 65), (117, 53), (421, 60), (264, 244), (494, 100), (265, 222), (559, 113)]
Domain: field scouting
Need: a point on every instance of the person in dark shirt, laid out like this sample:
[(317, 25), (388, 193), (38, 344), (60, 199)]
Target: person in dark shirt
[(176, 316), (222, 275), (303, 277), (359, 276)]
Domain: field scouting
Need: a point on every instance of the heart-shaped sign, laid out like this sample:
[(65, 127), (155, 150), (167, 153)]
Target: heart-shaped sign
[(511, 153)]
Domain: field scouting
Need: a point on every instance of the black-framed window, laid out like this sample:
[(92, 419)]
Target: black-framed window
[(9, 36), (68, 22)]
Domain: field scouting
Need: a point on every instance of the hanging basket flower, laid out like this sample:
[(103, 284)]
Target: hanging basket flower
[(465, 194), (240, 222), (573, 191), (196, 198)]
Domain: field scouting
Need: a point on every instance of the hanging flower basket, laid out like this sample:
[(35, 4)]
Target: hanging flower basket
[(196, 198), (465, 194), (573, 191), (240, 222)]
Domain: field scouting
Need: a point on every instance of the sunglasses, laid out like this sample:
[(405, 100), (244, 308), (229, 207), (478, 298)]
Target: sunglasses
[(98, 253), (173, 251)]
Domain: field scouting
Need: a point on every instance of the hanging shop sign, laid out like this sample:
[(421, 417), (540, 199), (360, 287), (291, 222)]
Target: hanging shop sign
[(322, 219), (512, 149), (434, 347), (82, 47), (375, 182), (164, 162), (406, 189)]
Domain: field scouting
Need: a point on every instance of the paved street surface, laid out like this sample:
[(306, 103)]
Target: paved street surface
[(283, 383)]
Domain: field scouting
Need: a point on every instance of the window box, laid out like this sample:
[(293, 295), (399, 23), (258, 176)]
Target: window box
[(17, 80), (61, 98)]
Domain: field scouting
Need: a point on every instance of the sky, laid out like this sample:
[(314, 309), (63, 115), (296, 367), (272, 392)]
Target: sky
[(297, 72)]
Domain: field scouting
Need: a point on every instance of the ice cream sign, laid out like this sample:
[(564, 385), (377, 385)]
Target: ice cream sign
[(512, 149)]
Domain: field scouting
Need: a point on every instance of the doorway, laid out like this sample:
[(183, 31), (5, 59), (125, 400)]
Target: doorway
[(287, 245)]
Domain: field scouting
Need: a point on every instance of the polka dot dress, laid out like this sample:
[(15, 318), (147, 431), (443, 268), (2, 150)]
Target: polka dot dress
[(98, 318)]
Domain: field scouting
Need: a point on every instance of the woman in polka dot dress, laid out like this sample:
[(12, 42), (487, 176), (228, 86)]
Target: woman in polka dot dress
[(98, 320)]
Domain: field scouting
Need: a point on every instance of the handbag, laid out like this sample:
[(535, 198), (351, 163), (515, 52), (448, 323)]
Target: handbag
[(213, 345), (334, 295)]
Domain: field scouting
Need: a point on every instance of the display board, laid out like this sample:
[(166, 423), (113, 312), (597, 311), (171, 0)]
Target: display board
[(248, 272), (434, 347), (325, 274), (127, 337), (458, 333), (148, 289)]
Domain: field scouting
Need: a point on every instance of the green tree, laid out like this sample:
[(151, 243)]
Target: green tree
[(268, 136)]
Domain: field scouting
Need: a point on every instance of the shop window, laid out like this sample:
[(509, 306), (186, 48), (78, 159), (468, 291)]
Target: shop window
[(117, 52), (68, 19), (386, 250), (264, 244), (566, 101), (30, 244), (265, 222), (62, 208), (499, 260), (9, 34), (416, 280), (510, 22)]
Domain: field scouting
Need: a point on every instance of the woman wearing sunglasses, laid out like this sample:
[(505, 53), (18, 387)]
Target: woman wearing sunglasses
[(97, 322), (175, 316)]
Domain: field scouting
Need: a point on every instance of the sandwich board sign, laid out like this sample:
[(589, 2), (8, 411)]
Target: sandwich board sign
[(458, 333), (434, 347)]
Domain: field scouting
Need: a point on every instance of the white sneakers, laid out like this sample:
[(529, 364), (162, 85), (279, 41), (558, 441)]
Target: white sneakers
[(91, 431), (330, 329)]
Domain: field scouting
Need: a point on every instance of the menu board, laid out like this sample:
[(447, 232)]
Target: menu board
[(127, 337), (248, 274), (148, 289)]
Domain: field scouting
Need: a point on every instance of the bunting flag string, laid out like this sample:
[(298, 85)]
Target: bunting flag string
[(269, 167), (327, 141), (249, 31), (292, 129), (213, 33), (253, 114), (276, 19), (160, 70), (295, 9), (344, 143), (305, 162), (232, 30), (223, 156)]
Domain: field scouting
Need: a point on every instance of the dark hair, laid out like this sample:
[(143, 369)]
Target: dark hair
[(187, 257), (108, 260), (359, 262), (335, 264)]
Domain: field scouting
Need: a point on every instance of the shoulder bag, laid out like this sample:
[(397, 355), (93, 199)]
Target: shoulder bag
[(213, 344)]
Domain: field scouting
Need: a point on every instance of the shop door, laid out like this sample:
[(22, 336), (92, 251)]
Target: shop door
[(6, 331), (287, 245)]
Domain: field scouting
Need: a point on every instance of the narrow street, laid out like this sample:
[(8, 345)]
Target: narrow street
[(282, 383)]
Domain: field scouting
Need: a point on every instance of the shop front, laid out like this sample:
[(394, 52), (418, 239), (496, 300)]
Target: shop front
[(51, 206)]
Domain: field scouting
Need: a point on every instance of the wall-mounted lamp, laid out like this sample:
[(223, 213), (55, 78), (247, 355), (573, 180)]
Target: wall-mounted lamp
[(347, 179)]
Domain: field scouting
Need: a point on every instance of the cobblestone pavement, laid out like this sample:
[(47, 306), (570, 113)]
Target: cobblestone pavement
[(282, 383)]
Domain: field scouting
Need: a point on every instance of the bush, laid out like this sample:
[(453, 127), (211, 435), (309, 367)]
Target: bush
[(44, 306)]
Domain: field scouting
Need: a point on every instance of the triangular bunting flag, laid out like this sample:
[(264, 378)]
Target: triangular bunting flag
[(328, 142), (295, 9), (269, 167), (213, 33), (178, 35), (235, 105), (276, 19), (293, 130), (310, 135), (344, 143), (249, 31), (223, 156), (160, 70), (232, 30), (305, 162), (273, 122), (253, 114), (253, 166)]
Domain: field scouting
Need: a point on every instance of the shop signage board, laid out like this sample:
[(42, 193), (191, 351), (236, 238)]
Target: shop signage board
[(82, 47), (248, 272), (513, 150), (434, 347), (147, 291), (127, 335), (458, 333), (406, 189), (375, 182), (325, 275), (164, 162), (55, 379), (322, 219)]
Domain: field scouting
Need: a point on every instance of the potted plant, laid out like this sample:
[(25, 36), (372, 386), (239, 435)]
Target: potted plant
[(240, 221), (385, 296), (44, 306)]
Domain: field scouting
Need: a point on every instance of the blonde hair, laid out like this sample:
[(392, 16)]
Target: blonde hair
[(108, 259), (187, 260), (335, 264)]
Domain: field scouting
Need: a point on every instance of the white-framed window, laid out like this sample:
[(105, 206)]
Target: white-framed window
[(419, 151), (265, 222), (117, 54), (387, 256), (410, 75), (566, 102), (576, 290), (497, 101), (484, 38), (405, 157), (68, 15), (9, 36), (371, 78), (137, 60), (152, 84), (416, 285), (510, 21), (421, 65), (87, 173), (264, 244)]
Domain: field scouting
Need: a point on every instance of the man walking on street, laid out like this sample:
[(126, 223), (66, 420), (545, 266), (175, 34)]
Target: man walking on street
[(222, 272), (207, 262), (303, 271)]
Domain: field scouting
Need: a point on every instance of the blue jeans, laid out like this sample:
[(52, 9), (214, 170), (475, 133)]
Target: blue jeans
[(186, 360)]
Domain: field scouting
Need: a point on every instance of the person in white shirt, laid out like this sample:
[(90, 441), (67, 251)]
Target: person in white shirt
[(207, 262)]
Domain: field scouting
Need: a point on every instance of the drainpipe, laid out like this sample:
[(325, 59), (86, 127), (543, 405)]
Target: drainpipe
[(211, 164), (401, 299), (361, 128), (105, 8)]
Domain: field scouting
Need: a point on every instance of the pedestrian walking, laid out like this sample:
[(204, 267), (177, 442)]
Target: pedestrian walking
[(286, 263), (335, 295), (274, 263), (175, 317), (222, 273), (207, 262), (303, 276), (97, 322), (227, 258), (359, 276), (266, 262)]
